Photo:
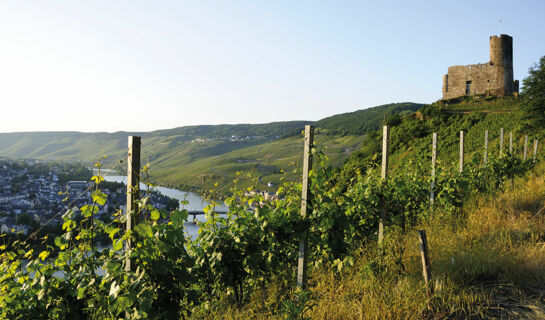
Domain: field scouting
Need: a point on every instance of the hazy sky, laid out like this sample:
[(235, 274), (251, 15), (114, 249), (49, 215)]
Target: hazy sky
[(146, 65)]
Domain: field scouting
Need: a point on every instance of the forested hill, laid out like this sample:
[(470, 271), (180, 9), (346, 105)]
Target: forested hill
[(363, 121), (184, 156)]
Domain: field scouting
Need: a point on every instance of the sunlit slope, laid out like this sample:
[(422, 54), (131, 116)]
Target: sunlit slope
[(197, 156), (263, 162)]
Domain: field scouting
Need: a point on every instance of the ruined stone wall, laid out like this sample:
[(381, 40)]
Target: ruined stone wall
[(484, 78)]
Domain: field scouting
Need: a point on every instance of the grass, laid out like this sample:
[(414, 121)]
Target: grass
[(488, 264)]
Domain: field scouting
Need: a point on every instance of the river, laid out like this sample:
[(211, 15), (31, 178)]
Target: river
[(195, 202)]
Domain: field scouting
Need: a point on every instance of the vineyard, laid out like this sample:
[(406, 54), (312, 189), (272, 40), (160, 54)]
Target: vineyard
[(245, 263)]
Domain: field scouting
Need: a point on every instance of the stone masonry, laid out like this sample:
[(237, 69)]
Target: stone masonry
[(491, 78)]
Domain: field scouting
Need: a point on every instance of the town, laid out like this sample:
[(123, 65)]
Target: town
[(36, 193), (232, 138)]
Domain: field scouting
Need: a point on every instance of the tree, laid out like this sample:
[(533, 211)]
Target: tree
[(533, 92)]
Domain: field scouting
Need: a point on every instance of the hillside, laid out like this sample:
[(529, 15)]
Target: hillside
[(187, 157), (410, 137)]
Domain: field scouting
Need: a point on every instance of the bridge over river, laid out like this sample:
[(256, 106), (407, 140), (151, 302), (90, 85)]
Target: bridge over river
[(197, 213)]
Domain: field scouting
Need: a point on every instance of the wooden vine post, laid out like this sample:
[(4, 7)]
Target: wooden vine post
[(535, 150), (511, 142), (461, 151), (485, 146), (383, 177), (426, 268), (433, 164), (133, 184), (525, 147), (303, 241), (501, 142)]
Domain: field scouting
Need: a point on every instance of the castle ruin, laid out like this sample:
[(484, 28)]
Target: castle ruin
[(492, 78)]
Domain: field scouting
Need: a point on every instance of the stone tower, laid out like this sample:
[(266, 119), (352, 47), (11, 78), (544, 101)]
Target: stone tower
[(501, 56), (492, 78)]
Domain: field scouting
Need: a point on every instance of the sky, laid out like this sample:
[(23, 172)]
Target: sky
[(147, 65)]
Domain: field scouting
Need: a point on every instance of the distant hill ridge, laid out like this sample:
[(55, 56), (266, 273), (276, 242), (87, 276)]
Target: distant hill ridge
[(185, 156)]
